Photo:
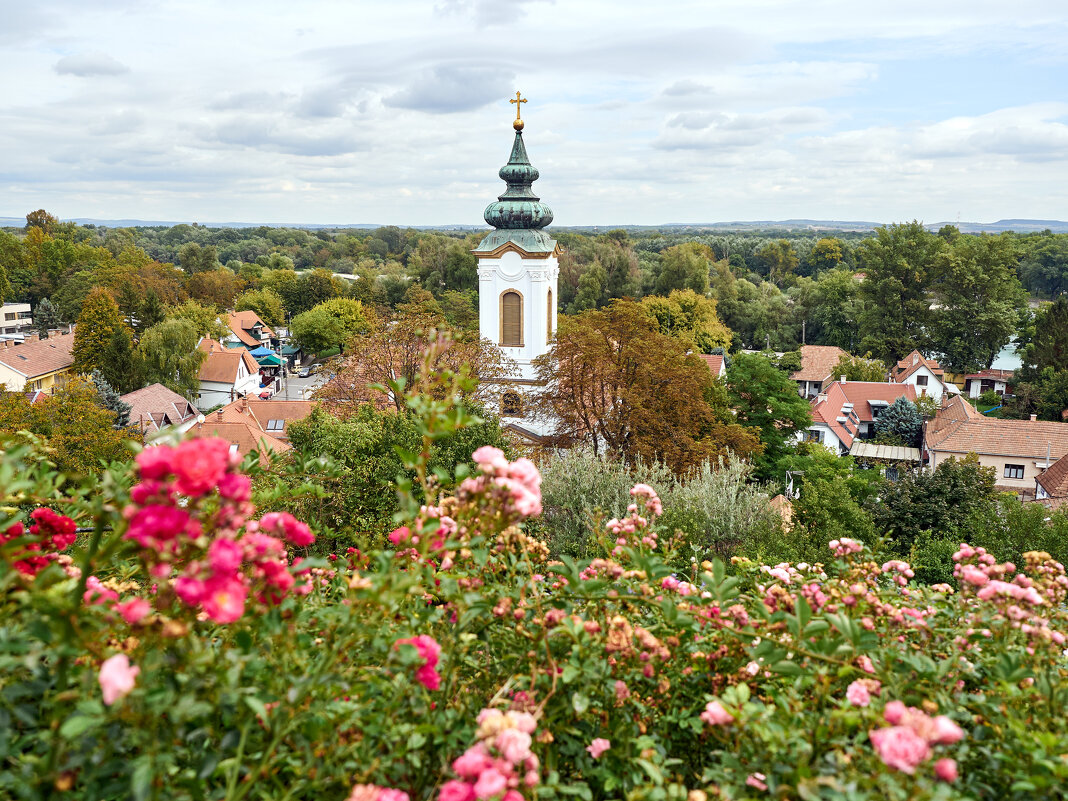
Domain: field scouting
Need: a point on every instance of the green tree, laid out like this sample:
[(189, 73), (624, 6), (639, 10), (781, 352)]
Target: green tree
[(779, 260), (591, 289), (46, 317), (901, 421), (111, 401), (690, 317), (43, 220), (1049, 345), (204, 319), (98, 320), (856, 368), (196, 259), (152, 311), (899, 264), (331, 324), (120, 364), (170, 356), (826, 254), (834, 309), (765, 398), (979, 301), (267, 304), (684, 266)]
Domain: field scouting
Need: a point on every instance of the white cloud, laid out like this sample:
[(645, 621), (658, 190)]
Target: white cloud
[(86, 65)]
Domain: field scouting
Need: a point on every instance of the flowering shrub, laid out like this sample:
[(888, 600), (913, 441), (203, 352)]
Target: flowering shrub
[(182, 648)]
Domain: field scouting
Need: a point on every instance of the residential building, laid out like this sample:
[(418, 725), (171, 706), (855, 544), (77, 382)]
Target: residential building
[(817, 368), (1018, 450), (36, 364), (1051, 485), (244, 436), (924, 374), (846, 412), (155, 407), (975, 384), (715, 363), (270, 416), (247, 328), (15, 319), (226, 374)]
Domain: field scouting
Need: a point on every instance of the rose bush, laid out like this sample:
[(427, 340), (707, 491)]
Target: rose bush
[(182, 648)]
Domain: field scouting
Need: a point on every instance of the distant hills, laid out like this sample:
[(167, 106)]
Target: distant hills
[(1018, 225)]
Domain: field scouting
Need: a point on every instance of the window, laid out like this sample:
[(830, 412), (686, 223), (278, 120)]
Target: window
[(511, 404), (921, 380), (549, 317), (813, 435), (276, 425), (1014, 471), (512, 319)]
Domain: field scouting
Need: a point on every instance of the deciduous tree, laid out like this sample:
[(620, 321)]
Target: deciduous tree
[(170, 356), (98, 320), (689, 317), (267, 304)]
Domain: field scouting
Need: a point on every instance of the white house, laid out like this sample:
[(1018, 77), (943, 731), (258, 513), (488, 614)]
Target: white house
[(15, 320), (975, 384), (924, 374), (847, 411), (226, 374)]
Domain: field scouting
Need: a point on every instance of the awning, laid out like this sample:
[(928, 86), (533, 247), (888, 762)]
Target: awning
[(270, 360), (261, 351), (889, 453), (291, 350)]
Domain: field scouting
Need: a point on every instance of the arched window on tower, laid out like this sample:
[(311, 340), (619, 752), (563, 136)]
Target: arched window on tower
[(511, 404), (549, 317), (512, 319)]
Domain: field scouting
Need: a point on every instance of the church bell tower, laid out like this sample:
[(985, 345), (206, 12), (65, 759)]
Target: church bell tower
[(517, 264)]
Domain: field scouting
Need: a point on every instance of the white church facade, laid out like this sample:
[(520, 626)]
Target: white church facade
[(518, 271)]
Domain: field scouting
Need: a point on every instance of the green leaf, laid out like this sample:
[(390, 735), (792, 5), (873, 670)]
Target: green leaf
[(580, 702), (786, 668), (570, 674), (76, 726), (256, 705), (141, 780)]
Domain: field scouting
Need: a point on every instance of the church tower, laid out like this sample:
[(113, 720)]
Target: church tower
[(517, 264)]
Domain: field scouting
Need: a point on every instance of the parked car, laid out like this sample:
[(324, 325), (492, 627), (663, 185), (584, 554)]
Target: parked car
[(304, 372), (265, 395)]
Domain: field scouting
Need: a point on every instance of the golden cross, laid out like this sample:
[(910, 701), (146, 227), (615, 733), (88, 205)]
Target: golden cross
[(517, 101)]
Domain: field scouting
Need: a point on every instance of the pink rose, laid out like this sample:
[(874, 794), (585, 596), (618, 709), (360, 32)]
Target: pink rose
[(899, 747), (716, 715), (946, 731), (472, 762), (457, 791), (514, 745), (235, 487), (946, 770), (598, 747), (189, 589), (225, 555), (154, 462), (490, 782), (524, 471), (133, 610), (428, 677), (757, 780), (857, 694), (895, 712), (224, 598), (117, 677), (489, 459)]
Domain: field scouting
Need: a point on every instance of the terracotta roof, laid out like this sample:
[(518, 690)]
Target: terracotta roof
[(242, 322), (155, 406), (817, 362), (1054, 479), (714, 362), (45, 356), (221, 364), (913, 362), (266, 414), (833, 404), (247, 437), (996, 375), (956, 430)]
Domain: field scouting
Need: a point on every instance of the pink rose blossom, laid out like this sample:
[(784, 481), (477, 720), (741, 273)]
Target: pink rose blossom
[(456, 791), (117, 677), (514, 745), (133, 610), (199, 464), (946, 731), (154, 462), (598, 747), (489, 459), (225, 556), (490, 782), (472, 762), (235, 487), (190, 590), (224, 598), (899, 747), (716, 715), (428, 677), (946, 770), (757, 780), (857, 694), (895, 712)]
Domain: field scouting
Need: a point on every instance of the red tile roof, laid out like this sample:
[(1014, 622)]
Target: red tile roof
[(959, 429), (45, 356), (817, 362), (714, 362), (221, 364), (832, 404), (242, 322), (260, 413), (155, 406), (1054, 480), (913, 362), (995, 375)]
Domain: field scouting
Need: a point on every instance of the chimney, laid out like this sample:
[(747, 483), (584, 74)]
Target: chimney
[(842, 378), (244, 405), (55, 332), (1034, 418), (821, 398), (31, 337), (219, 415), (915, 358)]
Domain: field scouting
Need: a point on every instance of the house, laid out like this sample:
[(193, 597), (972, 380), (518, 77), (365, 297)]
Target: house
[(924, 374), (244, 436), (226, 374), (1018, 450), (975, 384), (269, 416), (1051, 485), (15, 319), (36, 364), (155, 407), (247, 328), (715, 364), (846, 411), (817, 366)]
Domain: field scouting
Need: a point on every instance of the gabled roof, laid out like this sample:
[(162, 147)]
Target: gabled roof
[(45, 356), (247, 437), (817, 362), (714, 362), (221, 364), (267, 415), (242, 323), (913, 362), (843, 407), (1054, 480), (959, 428), (155, 407), (995, 375)]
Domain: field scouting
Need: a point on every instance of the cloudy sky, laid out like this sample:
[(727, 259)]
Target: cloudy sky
[(640, 112)]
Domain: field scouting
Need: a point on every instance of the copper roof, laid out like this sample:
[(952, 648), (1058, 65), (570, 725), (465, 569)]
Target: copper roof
[(817, 362), (833, 404), (956, 429), (220, 366), (913, 362), (155, 406), (242, 322), (32, 359)]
